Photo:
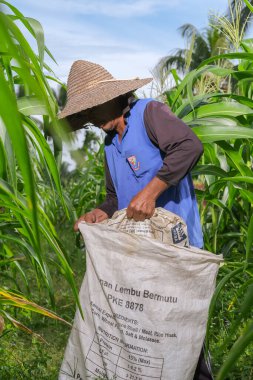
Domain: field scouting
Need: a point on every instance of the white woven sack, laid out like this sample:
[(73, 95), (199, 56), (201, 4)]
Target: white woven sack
[(164, 226), (145, 304)]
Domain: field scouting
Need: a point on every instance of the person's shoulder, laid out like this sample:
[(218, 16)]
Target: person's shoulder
[(141, 103), (151, 106), (145, 100), (157, 106)]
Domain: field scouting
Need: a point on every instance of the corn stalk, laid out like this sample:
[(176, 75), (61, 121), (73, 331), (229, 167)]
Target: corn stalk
[(25, 155)]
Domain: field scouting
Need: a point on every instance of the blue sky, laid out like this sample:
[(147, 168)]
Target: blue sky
[(127, 37)]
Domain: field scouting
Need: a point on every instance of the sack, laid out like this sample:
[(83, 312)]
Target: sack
[(164, 226), (145, 304)]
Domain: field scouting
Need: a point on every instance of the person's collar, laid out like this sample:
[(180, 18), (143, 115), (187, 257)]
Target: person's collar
[(126, 110)]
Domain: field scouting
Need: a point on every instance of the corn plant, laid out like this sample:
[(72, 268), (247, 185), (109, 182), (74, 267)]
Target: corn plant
[(86, 187), (223, 121), (26, 160)]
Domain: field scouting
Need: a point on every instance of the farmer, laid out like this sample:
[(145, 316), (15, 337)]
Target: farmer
[(149, 152)]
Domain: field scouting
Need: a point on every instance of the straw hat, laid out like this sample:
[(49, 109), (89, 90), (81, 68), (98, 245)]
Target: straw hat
[(90, 85)]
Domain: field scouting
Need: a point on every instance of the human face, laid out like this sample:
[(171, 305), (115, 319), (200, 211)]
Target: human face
[(107, 116)]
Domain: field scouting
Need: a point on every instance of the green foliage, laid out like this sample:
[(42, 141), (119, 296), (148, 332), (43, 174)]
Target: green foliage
[(223, 121), (86, 189), (200, 46), (33, 200), (24, 356), (27, 164)]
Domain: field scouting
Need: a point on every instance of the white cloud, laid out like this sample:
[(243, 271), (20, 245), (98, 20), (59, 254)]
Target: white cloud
[(123, 57), (115, 33), (127, 51), (128, 8), (121, 64), (111, 8), (121, 8)]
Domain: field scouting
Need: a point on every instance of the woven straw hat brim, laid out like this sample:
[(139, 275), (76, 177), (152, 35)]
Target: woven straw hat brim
[(99, 94)]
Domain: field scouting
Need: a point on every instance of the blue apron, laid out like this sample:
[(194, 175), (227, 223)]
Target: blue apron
[(133, 163)]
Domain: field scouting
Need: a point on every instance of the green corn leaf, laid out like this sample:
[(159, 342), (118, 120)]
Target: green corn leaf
[(247, 45), (39, 35), (247, 195), (180, 88), (247, 56), (220, 71), (28, 105), (236, 351), (34, 27), (218, 203), (242, 75), (9, 25), (22, 273), (47, 231), (28, 250), (15, 263), (237, 179), (240, 99), (190, 95), (249, 5), (56, 80), (45, 150), (3, 165), (235, 158), (243, 311), (36, 83), (10, 260), (185, 108), (226, 249), (218, 109), (61, 255), (36, 30), (209, 134), (211, 154), (10, 162), (216, 295), (249, 241), (191, 77), (12, 121), (18, 205), (175, 76), (209, 170), (247, 302), (228, 121)]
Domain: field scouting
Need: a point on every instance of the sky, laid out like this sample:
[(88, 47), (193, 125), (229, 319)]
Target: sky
[(127, 37)]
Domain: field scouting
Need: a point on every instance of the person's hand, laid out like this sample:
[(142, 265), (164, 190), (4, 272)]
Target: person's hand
[(94, 216), (142, 205)]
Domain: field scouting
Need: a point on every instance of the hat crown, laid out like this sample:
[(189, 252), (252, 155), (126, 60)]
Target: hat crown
[(85, 75), (90, 85)]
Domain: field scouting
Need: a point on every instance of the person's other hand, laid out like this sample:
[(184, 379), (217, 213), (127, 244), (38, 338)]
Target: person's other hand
[(94, 216)]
